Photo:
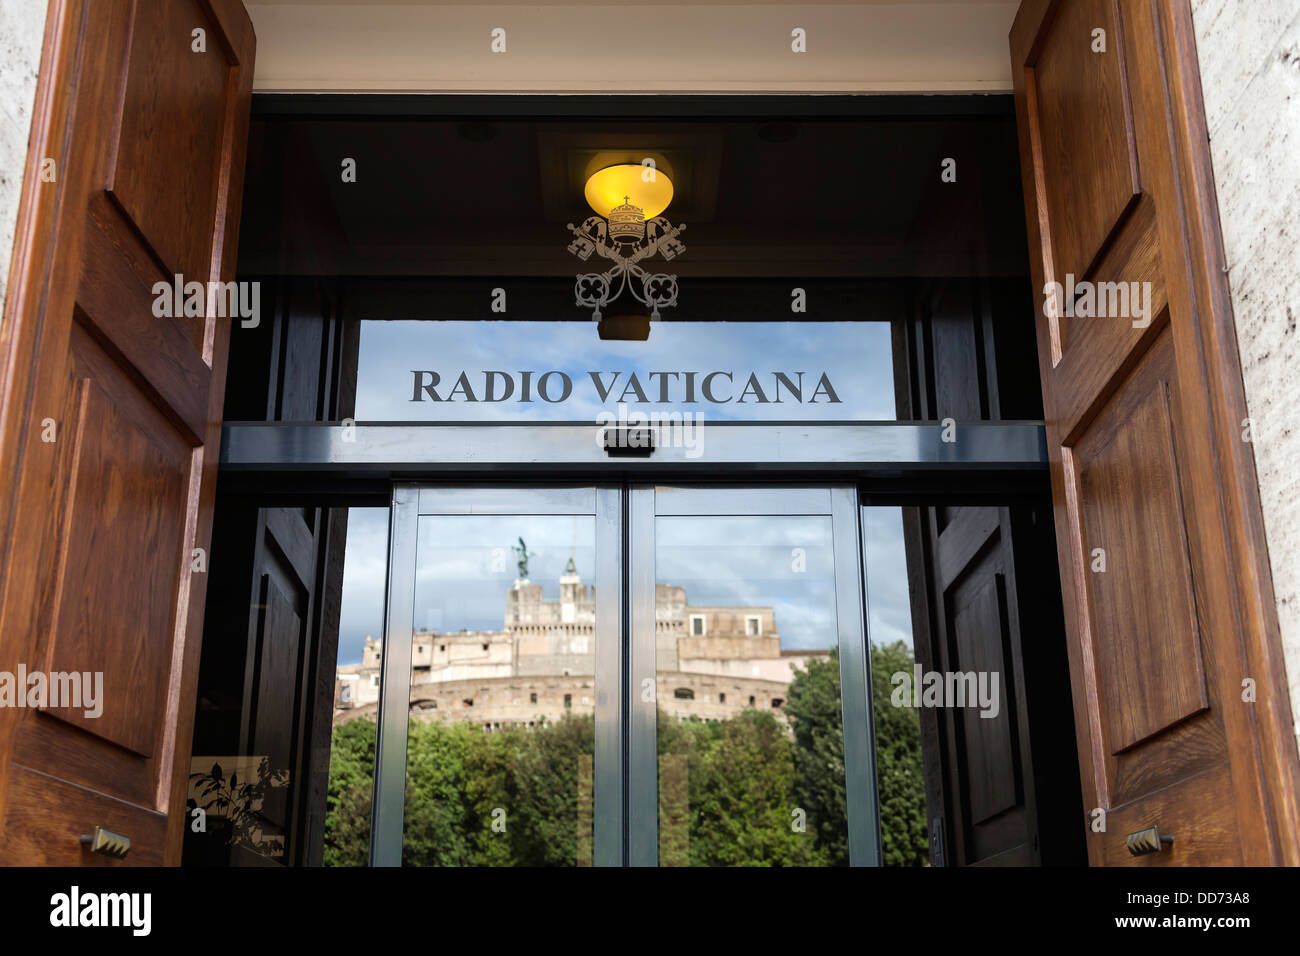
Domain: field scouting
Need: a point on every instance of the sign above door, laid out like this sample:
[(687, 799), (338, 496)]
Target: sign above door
[(508, 371)]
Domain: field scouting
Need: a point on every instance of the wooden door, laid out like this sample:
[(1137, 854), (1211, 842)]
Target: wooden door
[(110, 416), (266, 679), (1168, 600), (1001, 790)]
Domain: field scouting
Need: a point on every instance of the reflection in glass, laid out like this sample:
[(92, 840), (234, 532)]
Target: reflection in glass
[(258, 772), (900, 778), (471, 371), (750, 727), (502, 732), (356, 691)]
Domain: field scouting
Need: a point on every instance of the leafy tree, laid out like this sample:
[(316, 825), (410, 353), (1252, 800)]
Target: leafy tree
[(458, 780), (551, 793), (900, 780), (729, 791), (438, 824), (348, 797), (674, 741), (817, 722), (743, 796), (488, 801)]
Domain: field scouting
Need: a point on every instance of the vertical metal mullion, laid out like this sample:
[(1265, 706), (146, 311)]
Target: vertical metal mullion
[(608, 774), (395, 682), (643, 759), (855, 679)]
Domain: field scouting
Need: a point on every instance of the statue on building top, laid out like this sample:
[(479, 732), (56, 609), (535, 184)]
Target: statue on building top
[(524, 555)]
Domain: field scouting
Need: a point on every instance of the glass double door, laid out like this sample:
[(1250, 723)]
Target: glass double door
[(624, 675)]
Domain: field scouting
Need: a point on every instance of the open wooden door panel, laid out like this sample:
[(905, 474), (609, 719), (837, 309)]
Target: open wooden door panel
[(1165, 575), (111, 414)]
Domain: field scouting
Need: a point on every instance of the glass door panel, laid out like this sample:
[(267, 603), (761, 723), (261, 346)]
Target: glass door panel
[(496, 655), (754, 637), (503, 668), (557, 691)]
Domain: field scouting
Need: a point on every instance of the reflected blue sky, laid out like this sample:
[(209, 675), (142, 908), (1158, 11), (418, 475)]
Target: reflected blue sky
[(465, 564), (854, 357), (785, 563), (731, 562)]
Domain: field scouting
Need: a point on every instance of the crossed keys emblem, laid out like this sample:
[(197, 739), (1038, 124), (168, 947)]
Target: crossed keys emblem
[(594, 290)]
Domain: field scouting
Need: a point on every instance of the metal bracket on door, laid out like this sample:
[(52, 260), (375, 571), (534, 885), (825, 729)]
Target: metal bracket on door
[(1150, 840)]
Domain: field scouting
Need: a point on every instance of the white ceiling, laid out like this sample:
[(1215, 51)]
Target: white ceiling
[(632, 47)]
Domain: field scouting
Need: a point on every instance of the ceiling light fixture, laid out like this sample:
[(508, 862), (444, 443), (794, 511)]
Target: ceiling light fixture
[(627, 229)]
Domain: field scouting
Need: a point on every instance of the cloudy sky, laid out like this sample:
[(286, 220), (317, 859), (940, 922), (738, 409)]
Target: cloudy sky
[(465, 565)]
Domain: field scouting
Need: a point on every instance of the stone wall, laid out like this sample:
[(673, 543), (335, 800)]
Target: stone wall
[(22, 29), (1249, 53), (498, 703)]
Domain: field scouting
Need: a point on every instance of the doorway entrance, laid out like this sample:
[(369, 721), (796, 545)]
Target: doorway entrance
[(641, 645), (692, 690)]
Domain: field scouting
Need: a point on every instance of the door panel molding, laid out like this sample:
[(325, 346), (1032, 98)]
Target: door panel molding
[(1090, 175), (101, 523), (159, 181), (1156, 716)]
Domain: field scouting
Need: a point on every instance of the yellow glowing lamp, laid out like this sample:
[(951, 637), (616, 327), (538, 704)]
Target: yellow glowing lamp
[(644, 187)]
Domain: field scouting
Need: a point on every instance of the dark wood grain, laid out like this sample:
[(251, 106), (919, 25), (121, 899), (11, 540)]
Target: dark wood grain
[(1000, 791), (1090, 175), (47, 817), (98, 527), (1143, 428), (271, 634), (1152, 669)]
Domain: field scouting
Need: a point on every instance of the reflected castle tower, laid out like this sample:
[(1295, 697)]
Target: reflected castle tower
[(712, 662)]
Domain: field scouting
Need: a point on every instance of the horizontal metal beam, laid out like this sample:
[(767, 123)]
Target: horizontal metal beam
[(858, 449)]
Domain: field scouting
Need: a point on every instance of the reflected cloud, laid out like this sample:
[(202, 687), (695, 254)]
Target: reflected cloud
[(734, 578)]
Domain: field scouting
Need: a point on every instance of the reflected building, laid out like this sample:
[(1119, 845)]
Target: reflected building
[(711, 662)]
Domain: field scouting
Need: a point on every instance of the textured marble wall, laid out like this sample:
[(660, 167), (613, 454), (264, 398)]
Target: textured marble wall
[(1249, 52), (22, 26)]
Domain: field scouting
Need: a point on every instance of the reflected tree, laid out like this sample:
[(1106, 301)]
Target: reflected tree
[(900, 779), (348, 797), (730, 792), (817, 724), (239, 804)]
